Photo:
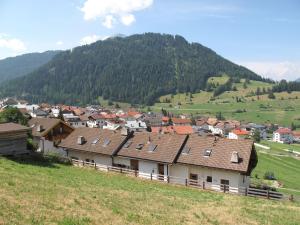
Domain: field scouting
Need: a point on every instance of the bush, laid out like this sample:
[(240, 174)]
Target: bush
[(269, 175)]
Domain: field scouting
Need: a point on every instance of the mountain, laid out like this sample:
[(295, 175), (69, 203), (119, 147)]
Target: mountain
[(18, 66), (135, 69)]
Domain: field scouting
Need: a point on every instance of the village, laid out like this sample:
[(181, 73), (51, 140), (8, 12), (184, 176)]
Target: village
[(207, 152)]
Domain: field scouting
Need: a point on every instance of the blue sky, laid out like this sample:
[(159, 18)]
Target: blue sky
[(262, 35)]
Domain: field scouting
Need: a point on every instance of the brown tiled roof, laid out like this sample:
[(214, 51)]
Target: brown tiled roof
[(167, 147), (220, 155), (181, 121), (11, 127), (90, 135), (47, 123)]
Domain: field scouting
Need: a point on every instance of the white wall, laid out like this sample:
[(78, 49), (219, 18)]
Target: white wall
[(122, 161), (235, 179), (98, 158)]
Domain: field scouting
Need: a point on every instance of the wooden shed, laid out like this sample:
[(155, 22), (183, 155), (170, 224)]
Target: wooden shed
[(13, 139)]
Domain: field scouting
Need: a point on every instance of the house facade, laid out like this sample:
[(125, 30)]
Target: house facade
[(283, 135), (48, 132), (208, 161)]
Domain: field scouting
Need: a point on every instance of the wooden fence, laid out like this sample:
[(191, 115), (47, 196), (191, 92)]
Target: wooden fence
[(253, 192)]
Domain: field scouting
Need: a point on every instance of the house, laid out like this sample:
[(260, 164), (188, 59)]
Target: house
[(296, 136), (94, 145), (73, 120), (238, 134), (283, 135), (213, 162), (136, 125), (252, 127), (38, 113), (215, 130), (13, 139), (181, 122), (48, 132), (183, 130), (209, 161), (111, 126), (150, 152), (153, 119)]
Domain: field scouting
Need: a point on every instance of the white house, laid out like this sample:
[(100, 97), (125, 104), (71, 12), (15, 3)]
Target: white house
[(136, 125), (215, 130), (283, 135)]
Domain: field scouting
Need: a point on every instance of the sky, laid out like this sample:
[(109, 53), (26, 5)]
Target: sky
[(263, 35)]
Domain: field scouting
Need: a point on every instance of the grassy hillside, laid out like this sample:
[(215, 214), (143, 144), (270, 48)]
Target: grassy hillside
[(47, 193), (282, 110)]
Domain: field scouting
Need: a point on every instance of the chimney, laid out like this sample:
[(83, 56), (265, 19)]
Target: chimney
[(124, 131), (80, 140), (39, 128), (234, 157)]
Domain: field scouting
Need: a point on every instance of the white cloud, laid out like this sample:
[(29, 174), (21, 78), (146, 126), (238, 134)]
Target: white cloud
[(92, 38), (59, 43), (13, 44), (113, 11), (289, 70)]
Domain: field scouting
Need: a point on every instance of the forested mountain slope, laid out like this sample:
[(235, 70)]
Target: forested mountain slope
[(135, 69), (18, 66)]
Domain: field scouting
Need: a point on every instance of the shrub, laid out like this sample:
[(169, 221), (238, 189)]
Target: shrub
[(269, 175)]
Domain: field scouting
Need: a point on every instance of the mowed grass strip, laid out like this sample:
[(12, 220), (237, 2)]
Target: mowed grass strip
[(46, 193)]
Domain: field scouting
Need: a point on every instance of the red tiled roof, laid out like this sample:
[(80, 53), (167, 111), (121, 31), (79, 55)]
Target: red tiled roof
[(165, 119), (240, 132), (283, 130), (181, 121), (183, 129)]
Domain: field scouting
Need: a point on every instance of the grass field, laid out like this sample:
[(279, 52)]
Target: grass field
[(283, 110), (34, 192)]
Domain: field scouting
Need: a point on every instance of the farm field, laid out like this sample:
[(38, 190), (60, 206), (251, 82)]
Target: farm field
[(283, 110), (43, 192)]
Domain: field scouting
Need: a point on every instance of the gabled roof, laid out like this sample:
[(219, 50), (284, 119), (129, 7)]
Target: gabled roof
[(283, 130), (167, 147), (12, 127), (240, 132), (47, 124), (98, 136), (221, 152)]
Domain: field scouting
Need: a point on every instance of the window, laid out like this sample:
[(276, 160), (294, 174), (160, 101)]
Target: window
[(152, 147), (226, 182), (139, 146), (92, 161), (207, 152), (193, 176), (95, 141), (209, 179), (74, 158), (127, 144), (87, 160), (106, 142), (186, 150)]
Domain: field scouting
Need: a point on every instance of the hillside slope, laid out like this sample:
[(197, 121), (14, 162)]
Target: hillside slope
[(135, 69), (33, 192), (18, 66)]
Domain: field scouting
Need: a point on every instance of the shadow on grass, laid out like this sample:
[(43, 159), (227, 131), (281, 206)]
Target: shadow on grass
[(37, 159)]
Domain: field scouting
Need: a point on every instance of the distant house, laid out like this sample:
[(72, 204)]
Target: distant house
[(216, 130), (48, 132), (13, 139), (38, 113), (238, 134), (111, 126), (252, 127), (283, 135), (136, 125), (296, 136), (74, 121)]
